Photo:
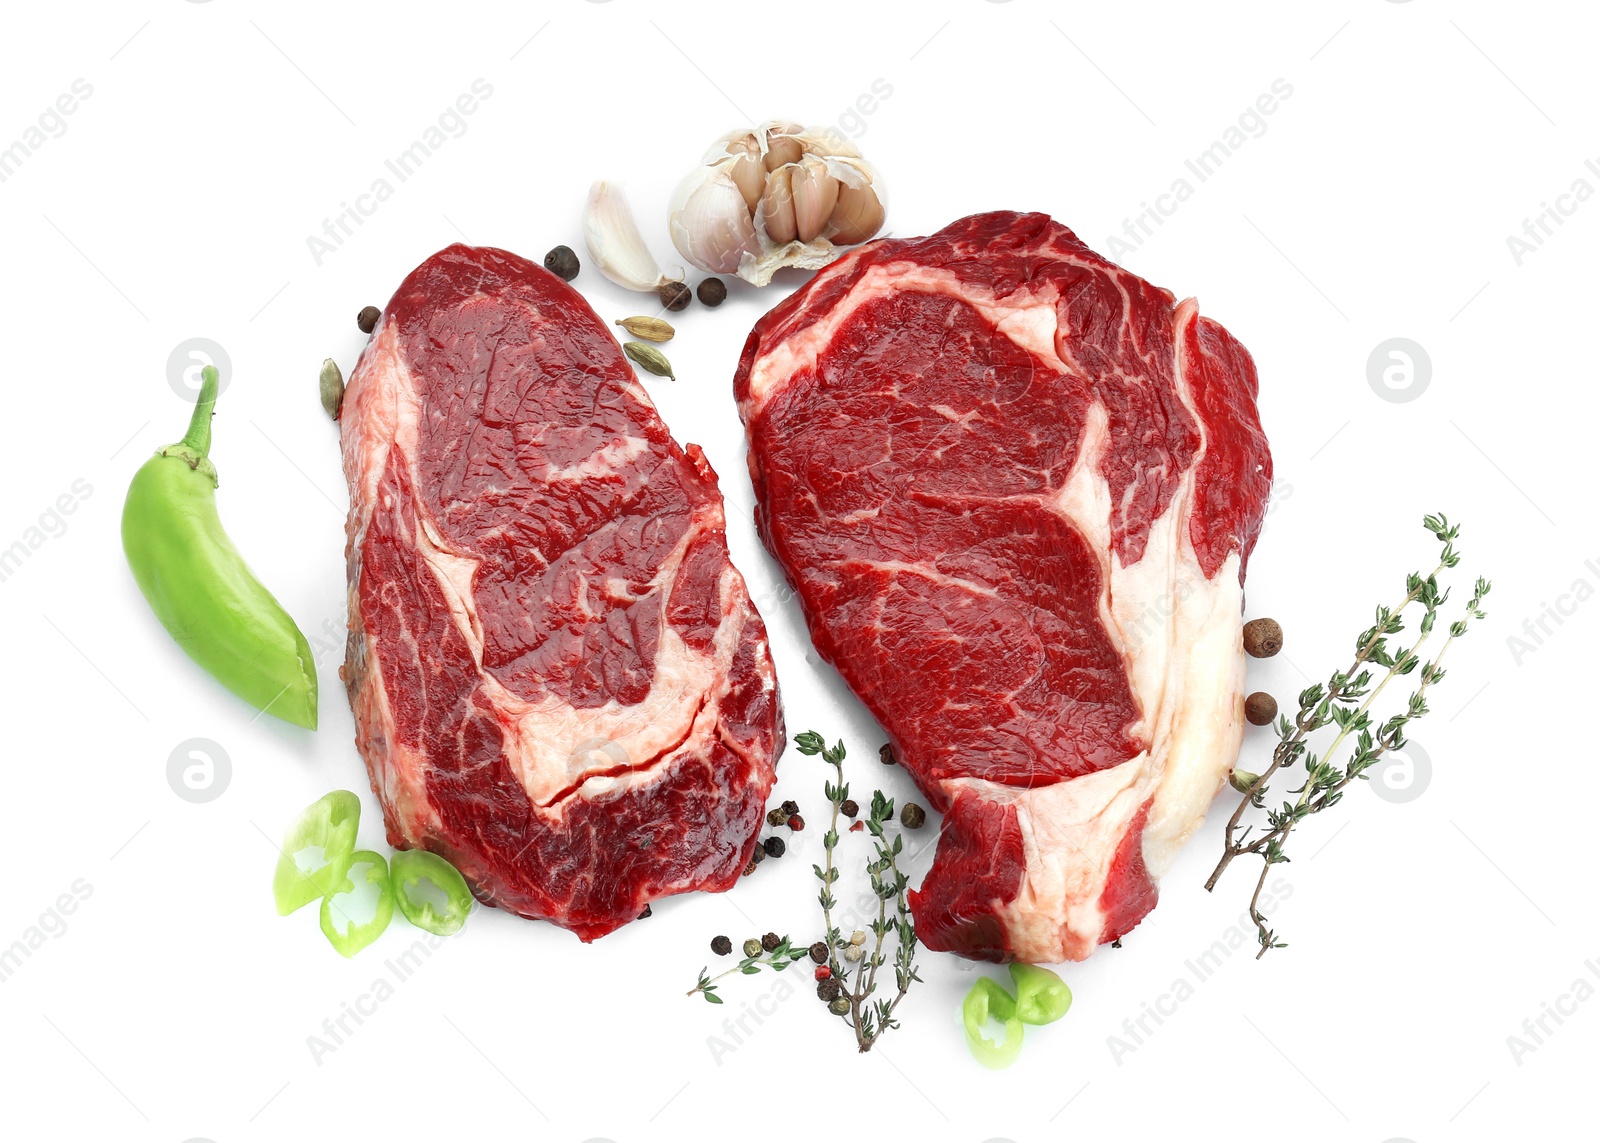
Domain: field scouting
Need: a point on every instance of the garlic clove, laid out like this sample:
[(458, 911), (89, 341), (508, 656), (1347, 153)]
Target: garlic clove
[(783, 147), (815, 194), (857, 216), (750, 177), (777, 206), (615, 245), (738, 143), (852, 172), (827, 142), (711, 226)]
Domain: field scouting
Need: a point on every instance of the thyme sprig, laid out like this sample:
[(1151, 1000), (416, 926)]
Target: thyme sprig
[(1345, 703), (867, 1017), (780, 958)]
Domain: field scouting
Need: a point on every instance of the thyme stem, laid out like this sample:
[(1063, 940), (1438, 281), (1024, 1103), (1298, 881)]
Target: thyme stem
[(1346, 702), (868, 1019)]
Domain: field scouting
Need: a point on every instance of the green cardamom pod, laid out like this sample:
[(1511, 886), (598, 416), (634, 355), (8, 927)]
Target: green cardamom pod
[(649, 358), (649, 328), (331, 383)]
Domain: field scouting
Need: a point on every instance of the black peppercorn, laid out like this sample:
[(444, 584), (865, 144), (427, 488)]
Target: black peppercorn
[(367, 319), (1263, 638), (722, 946), (777, 816), (849, 808), (712, 292), (771, 941), (562, 262), (791, 807), (819, 952), (758, 856), (675, 295), (774, 846), (912, 815), (644, 914), (827, 990), (1260, 708), (886, 755)]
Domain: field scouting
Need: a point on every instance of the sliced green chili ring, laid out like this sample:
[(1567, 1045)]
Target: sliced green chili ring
[(412, 868), (1042, 996), (985, 999), (328, 824), (371, 869)]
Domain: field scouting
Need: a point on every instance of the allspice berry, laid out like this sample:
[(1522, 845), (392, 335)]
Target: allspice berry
[(912, 815), (367, 319), (675, 296), (562, 262), (1263, 638), (1260, 708), (711, 292)]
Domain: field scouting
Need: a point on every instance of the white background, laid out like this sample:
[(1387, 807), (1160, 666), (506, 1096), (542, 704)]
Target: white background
[(1376, 204)]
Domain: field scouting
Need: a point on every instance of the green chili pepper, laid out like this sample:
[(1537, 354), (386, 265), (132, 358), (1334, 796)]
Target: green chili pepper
[(1042, 996), (198, 585), (372, 870), (410, 870), (317, 851), (987, 998)]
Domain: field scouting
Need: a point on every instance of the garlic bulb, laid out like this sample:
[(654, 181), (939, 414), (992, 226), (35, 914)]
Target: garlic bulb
[(780, 195), (614, 242)]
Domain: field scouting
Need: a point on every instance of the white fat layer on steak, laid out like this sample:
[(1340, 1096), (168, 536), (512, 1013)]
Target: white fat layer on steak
[(379, 412), (556, 750), (560, 750), (1178, 631), (1070, 832), (615, 456), (1027, 317)]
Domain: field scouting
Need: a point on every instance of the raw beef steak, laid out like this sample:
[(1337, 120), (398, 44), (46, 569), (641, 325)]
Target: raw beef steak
[(558, 679), (1015, 487)]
